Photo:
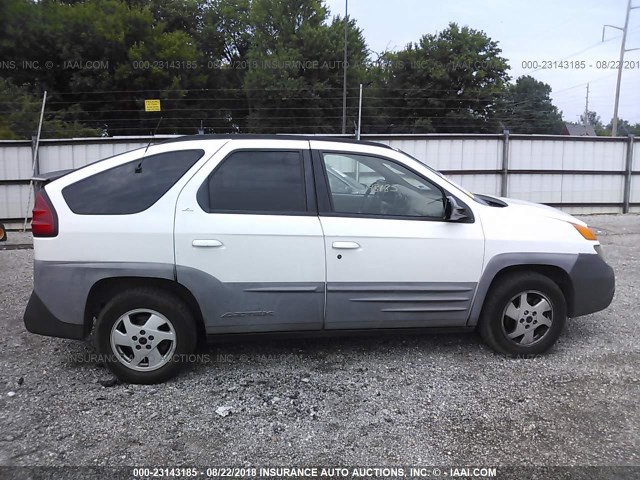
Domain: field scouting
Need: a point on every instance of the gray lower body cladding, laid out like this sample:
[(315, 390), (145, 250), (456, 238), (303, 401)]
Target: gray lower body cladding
[(239, 307), (591, 279), (61, 289), (398, 305), (242, 307), (39, 319), (594, 285)]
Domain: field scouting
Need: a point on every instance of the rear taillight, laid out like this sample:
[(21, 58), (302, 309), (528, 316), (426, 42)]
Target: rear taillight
[(45, 219)]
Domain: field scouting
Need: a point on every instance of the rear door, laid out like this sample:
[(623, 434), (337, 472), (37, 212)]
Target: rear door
[(392, 259), (249, 244)]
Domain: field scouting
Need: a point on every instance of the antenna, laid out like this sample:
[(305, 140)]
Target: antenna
[(139, 167)]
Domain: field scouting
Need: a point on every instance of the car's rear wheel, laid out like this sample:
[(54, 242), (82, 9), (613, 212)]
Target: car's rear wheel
[(524, 314), (145, 335)]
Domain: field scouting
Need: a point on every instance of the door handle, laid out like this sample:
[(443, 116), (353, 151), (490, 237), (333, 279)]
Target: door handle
[(346, 245), (206, 243)]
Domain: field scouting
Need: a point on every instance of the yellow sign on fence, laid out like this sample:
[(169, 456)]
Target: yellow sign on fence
[(152, 105)]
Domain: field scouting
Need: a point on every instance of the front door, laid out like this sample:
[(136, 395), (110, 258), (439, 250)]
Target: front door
[(392, 259), (248, 240)]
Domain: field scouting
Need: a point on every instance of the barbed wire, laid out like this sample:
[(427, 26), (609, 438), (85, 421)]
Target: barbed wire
[(383, 113), (243, 90)]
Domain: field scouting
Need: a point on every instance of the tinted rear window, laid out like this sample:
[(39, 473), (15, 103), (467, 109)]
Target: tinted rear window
[(256, 182), (120, 190)]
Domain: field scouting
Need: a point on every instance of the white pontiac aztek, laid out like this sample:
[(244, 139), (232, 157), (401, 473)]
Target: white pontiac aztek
[(156, 249)]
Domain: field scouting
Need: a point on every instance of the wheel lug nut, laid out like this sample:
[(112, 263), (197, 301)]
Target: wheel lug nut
[(150, 337), (134, 338), (138, 347), (141, 332), (148, 347)]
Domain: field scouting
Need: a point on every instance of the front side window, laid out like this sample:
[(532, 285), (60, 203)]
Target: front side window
[(256, 182), (378, 186), (131, 187)]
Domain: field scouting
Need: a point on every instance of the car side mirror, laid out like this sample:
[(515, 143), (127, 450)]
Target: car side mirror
[(453, 211)]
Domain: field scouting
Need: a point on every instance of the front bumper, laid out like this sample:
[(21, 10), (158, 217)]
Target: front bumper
[(38, 319), (593, 283)]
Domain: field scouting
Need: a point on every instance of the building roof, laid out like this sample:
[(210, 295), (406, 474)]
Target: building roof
[(579, 130)]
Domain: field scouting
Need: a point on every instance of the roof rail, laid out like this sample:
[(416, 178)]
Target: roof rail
[(253, 136)]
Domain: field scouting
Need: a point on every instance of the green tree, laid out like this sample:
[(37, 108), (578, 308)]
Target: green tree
[(248, 65), (528, 108), (20, 113), (295, 76), (87, 49), (447, 82), (225, 40)]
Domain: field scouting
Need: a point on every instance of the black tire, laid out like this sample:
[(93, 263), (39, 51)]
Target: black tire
[(494, 326), (168, 305)]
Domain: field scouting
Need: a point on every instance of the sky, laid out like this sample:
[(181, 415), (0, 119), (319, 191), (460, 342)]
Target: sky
[(526, 30)]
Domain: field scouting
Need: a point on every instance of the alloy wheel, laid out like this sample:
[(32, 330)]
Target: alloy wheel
[(143, 340), (527, 318)]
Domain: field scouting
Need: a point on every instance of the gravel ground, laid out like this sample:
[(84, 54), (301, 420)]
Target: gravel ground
[(14, 238), (421, 400)]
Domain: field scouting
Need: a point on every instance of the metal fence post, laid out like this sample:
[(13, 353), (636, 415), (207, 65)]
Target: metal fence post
[(627, 175), (505, 163), (34, 154)]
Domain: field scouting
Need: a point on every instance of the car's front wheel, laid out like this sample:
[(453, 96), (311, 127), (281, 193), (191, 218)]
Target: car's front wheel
[(145, 335), (524, 314)]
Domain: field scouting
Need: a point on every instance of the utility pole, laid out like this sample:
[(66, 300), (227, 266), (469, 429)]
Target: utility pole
[(585, 121), (344, 67), (614, 123)]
